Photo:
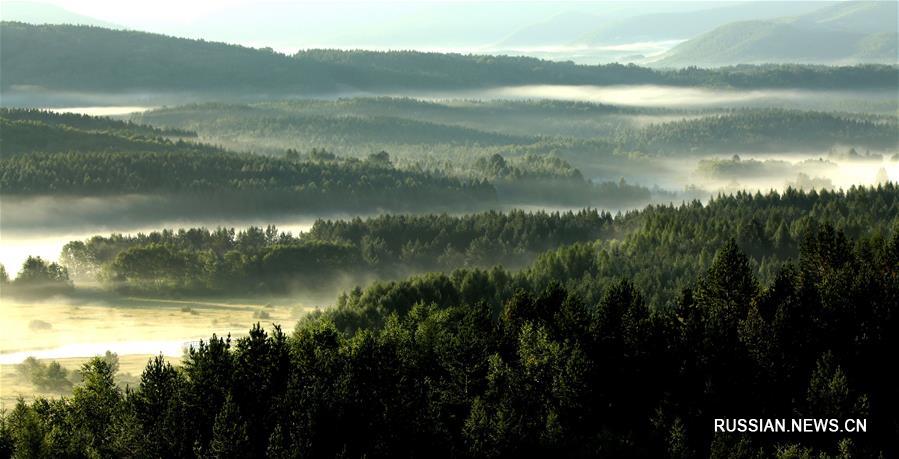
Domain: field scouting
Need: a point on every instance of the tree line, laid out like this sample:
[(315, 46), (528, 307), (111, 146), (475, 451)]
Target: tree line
[(333, 252), (470, 373), (91, 123), (37, 277), (661, 248)]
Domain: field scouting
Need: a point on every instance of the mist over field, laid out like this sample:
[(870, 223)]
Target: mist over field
[(447, 229)]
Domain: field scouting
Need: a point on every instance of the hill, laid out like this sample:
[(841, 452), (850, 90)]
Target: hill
[(682, 25), (458, 131), (46, 153), (28, 131), (850, 32), (85, 59), (560, 29), (762, 130), (63, 154)]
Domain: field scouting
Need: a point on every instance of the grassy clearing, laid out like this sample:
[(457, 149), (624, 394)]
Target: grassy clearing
[(13, 385), (71, 332)]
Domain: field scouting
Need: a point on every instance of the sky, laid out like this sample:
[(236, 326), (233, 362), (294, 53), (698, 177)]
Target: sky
[(343, 23), (189, 10), (158, 12), (429, 25), (133, 12)]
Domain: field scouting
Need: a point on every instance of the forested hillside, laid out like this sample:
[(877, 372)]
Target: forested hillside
[(604, 142), (92, 123), (853, 31), (249, 180), (26, 131), (660, 249), (84, 58), (764, 130), (60, 154), (454, 128), (493, 364)]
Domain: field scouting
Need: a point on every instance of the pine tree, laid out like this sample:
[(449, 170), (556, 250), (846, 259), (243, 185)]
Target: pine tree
[(229, 434)]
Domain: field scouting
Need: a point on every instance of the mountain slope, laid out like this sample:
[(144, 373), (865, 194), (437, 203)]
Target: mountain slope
[(688, 24), (560, 29), (855, 16), (850, 32)]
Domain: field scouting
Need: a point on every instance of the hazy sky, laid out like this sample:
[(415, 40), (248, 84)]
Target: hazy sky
[(141, 11), (436, 25), (128, 12), (187, 10), (293, 24)]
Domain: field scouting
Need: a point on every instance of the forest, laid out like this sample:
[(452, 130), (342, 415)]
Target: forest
[(660, 249), (121, 61), (762, 131), (397, 229), (60, 154), (604, 142), (457, 127), (272, 160), (481, 364), (280, 182), (341, 252)]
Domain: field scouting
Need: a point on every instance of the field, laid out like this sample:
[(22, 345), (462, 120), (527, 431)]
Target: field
[(130, 327)]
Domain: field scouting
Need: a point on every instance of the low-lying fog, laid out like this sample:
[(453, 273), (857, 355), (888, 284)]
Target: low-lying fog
[(873, 101), (54, 328), (62, 220), (764, 172), (639, 53), (114, 110), (870, 101)]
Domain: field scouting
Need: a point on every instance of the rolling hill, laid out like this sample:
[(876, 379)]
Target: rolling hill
[(848, 32), (83, 59), (682, 25)]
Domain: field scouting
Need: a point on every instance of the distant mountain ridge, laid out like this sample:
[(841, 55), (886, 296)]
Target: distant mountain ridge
[(88, 59), (688, 24), (848, 32)]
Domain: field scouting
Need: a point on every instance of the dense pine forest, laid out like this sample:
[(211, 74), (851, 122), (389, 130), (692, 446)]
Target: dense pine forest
[(576, 355)]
